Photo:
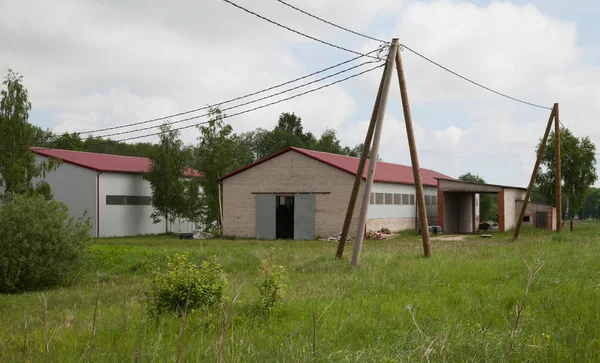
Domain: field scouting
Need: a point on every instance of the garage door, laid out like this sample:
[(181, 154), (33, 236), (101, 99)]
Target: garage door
[(304, 216), (265, 216)]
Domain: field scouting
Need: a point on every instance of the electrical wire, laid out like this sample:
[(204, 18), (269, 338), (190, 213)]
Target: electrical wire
[(241, 112), (245, 103), (295, 31), (378, 51), (332, 24)]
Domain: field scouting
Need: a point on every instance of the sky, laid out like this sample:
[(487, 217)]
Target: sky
[(96, 64)]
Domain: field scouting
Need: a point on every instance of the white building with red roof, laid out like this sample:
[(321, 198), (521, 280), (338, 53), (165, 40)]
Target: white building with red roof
[(303, 194), (108, 188)]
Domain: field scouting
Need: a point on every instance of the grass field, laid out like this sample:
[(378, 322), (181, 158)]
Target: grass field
[(459, 305)]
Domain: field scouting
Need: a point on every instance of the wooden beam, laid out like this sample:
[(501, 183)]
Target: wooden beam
[(412, 146), (362, 219), (534, 173), (558, 170)]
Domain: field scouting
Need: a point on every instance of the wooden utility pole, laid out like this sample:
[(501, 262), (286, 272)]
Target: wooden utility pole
[(362, 219), (558, 171), (534, 174), (359, 173), (412, 145)]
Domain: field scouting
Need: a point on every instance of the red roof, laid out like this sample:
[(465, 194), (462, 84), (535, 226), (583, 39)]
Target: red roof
[(104, 162), (384, 172)]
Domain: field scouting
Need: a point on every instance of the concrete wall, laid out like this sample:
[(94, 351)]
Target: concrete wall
[(458, 212), (290, 172), (76, 187), (510, 198)]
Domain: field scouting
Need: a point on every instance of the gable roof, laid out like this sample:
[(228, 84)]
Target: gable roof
[(104, 162), (384, 172)]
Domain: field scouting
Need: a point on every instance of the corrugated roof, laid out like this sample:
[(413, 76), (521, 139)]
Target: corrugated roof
[(103, 162), (384, 172)]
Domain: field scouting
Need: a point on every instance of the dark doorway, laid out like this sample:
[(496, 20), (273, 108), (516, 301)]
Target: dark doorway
[(540, 220), (285, 217)]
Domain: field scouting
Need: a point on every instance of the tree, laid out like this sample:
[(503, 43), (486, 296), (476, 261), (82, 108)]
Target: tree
[(591, 205), (166, 177), (329, 142), (488, 203), (578, 169), (356, 151), (18, 166), (219, 152)]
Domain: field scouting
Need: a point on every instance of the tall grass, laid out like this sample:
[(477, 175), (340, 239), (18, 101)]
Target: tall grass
[(460, 305)]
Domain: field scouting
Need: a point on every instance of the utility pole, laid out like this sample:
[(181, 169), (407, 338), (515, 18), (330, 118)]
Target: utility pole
[(359, 172), (558, 171), (534, 173), (374, 152), (412, 145)]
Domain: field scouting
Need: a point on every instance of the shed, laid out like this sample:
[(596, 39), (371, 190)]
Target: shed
[(110, 190), (303, 194)]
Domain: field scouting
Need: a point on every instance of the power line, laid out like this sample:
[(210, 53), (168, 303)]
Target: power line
[(245, 103), (241, 112), (332, 24), (229, 100), (295, 31), (473, 82)]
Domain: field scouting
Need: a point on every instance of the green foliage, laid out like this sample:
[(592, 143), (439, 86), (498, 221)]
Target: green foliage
[(18, 167), (183, 281), (272, 283), (166, 177), (42, 246), (488, 203), (578, 168)]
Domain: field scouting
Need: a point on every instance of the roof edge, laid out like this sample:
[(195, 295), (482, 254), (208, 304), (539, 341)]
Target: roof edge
[(475, 183)]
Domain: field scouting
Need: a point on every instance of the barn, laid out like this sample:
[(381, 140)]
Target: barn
[(303, 194), (110, 189)]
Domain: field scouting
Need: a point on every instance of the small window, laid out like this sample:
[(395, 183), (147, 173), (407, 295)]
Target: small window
[(378, 198), (434, 200), (398, 199), (372, 199), (128, 200), (115, 200), (526, 219), (389, 198), (412, 199), (427, 200)]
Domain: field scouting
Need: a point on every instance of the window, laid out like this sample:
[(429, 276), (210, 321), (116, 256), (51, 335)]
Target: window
[(378, 198), (405, 199), (372, 199), (398, 199), (434, 200), (526, 219), (389, 198), (412, 199), (427, 200), (128, 200)]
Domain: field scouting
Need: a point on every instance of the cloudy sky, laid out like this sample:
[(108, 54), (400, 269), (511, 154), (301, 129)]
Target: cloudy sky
[(95, 64)]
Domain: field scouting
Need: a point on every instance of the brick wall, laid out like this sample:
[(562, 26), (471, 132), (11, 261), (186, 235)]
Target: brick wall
[(290, 172), (532, 209)]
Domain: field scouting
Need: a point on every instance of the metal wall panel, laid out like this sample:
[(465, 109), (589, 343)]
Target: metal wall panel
[(265, 216), (304, 216)]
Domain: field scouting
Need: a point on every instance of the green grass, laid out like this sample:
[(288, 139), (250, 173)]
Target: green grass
[(397, 306)]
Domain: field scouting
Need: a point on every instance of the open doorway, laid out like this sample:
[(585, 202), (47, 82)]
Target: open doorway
[(284, 219)]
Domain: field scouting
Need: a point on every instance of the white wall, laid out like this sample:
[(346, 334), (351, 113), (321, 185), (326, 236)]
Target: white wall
[(76, 187), (510, 198), (396, 211)]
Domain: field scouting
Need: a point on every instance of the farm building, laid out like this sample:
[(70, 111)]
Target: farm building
[(110, 189), (458, 207), (303, 194)]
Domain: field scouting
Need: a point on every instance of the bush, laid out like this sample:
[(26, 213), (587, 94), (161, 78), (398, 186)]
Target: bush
[(42, 246), (169, 288), (272, 283)]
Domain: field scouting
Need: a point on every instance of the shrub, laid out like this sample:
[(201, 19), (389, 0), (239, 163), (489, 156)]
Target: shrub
[(169, 287), (272, 283), (42, 246)]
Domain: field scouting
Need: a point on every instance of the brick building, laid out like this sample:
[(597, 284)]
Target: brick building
[(303, 194)]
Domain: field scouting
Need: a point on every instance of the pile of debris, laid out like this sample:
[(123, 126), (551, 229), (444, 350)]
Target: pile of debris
[(336, 238), (383, 233)]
